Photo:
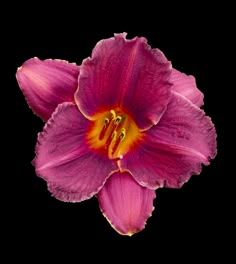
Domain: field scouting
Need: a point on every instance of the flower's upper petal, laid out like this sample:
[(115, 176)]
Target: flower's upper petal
[(126, 204), (73, 172), (47, 83), (175, 148), (186, 86), (125, 74)]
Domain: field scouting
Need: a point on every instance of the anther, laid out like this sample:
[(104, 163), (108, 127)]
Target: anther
[(106, 121), (122, 134), (117, 120), (113, 114), (114, 135)]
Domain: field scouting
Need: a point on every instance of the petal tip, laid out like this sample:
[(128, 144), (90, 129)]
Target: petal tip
[(18, 69), (125, 204), (131, 233), (120, 35)]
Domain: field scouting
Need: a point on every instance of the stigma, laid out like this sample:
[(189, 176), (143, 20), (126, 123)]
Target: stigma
[(113, 133)]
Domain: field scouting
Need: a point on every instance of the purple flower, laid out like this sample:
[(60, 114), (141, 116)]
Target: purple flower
[(119, 126)]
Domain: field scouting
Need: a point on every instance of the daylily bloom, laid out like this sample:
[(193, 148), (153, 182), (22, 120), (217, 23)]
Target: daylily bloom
[(119, 126)]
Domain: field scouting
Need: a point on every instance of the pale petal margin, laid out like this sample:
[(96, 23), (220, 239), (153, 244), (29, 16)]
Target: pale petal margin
[(175, 148), (47, 83), (125, 74), (186, 86), (126, 204), (72, 170)]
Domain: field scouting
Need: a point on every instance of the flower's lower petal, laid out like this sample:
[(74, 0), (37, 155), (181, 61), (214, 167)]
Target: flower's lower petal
[(125, 74), (175, 148), (47, 83), (73, 171), (186, 86), (126, 204)]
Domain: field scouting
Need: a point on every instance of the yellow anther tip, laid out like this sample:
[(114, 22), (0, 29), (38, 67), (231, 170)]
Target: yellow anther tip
[(106, 121), (114, 135), (118, 119), (113, 114)]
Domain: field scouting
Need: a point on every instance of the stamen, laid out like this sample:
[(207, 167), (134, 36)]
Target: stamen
[(111, 138), (121, 137), (104, 129), (112, 129)]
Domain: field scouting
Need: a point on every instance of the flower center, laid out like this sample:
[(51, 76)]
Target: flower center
[(113, 133)]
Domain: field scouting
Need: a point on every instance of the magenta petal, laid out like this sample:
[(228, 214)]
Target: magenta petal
[(125, 203), (186, 86), (125, 74), (47, 83), (73, 171), (175, 148)]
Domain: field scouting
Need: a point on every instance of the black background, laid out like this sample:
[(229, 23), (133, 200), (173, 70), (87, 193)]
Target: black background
[(188, 223)]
